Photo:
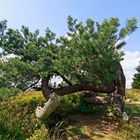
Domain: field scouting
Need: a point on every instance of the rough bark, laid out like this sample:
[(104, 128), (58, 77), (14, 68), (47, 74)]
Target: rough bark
[(120, 81), (45, 87), (120, 87), (84, 87)]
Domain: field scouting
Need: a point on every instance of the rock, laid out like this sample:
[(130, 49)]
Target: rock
[(125, 116)]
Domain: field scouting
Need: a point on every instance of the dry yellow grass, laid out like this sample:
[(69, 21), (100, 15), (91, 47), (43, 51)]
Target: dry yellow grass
[(133, 94)]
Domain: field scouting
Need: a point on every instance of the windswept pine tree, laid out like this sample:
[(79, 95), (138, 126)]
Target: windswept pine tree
[(86, 58)]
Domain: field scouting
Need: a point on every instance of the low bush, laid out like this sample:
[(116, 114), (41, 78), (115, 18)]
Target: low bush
[(7, 92), (129, 130), (39, 134), (88, 108), (17, 117)]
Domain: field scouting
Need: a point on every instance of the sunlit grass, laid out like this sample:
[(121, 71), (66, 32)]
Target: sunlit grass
[(133, 94), (18, 120)]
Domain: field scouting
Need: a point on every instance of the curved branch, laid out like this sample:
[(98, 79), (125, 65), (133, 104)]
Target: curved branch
[(108, 88), (84, 86), (31, 85), (44, 111), (63, 77)]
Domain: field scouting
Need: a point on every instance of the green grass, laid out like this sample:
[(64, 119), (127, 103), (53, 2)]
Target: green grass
[(84, 121), (6, 93), (133, 109)]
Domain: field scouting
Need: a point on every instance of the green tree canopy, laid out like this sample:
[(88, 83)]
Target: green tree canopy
[(86, 56), (136, 79)]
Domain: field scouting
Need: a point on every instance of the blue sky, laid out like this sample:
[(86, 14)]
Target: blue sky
[(53, 14)]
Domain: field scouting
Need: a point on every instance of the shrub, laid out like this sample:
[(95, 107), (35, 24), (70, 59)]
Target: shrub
[(130, 131), (7, 92), (39, 134), (88, 108), (17, 118)]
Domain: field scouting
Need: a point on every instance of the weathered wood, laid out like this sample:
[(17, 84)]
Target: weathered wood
[(49, 106)]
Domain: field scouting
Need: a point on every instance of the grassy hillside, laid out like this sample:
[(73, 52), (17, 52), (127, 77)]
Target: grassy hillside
[(72, 120)]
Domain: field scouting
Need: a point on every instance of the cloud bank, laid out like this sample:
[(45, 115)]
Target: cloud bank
[(129, 64)]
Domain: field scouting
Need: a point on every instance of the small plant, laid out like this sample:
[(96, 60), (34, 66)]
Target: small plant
[(131, 131), (40, 134)]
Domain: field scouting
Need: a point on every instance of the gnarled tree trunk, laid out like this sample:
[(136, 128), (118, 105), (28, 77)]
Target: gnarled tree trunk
[(118, 86)]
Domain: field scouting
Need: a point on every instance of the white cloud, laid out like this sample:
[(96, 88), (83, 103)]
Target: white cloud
[(130, 62)]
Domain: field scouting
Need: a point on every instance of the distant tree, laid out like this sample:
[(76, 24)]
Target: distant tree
[(136, 79), (86, 58)]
